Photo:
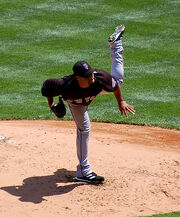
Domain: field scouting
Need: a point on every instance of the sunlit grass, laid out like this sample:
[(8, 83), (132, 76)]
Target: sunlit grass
[(42, 39)]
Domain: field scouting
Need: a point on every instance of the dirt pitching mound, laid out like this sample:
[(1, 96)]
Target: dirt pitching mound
[(38, 161)]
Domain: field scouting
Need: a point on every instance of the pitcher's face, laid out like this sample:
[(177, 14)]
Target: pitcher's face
[(85, 82)]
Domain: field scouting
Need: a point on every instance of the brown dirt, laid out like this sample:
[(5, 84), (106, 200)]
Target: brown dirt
[(38, 162)]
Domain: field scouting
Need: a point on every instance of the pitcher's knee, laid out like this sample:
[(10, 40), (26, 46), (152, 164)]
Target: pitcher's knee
[(85, 129)]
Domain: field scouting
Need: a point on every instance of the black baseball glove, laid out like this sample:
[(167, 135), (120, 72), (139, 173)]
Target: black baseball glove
[(59, 109)]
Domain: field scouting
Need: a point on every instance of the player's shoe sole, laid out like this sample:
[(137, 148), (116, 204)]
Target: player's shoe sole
[(92, 178), (119, 30)]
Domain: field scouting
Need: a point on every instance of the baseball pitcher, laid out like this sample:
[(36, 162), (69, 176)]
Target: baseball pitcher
[(79, 89)]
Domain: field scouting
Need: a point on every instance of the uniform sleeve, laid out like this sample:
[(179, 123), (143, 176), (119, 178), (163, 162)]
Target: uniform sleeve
[(52, 87), (107, 82)]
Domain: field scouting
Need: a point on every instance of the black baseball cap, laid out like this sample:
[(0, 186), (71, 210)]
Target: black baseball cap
[(82, 69)]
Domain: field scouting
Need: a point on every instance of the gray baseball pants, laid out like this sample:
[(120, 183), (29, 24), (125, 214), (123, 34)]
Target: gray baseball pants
[(81, 117), (117, 66)]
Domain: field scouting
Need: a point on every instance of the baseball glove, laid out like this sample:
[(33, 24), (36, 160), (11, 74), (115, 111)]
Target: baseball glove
[(59, 109)]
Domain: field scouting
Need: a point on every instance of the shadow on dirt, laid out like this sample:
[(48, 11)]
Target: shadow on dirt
[(34, 189)]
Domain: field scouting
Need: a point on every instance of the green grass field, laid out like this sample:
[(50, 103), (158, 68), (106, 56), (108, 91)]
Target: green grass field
[(41, 39), (172, 214)]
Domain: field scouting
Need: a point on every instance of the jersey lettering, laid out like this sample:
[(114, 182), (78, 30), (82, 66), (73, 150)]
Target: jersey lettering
[(79, 101), (90, 98)]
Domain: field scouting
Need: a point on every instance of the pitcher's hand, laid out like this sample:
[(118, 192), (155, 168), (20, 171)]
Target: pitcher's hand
[(124, 107)]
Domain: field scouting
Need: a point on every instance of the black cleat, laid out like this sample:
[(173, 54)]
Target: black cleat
[(92, 178), (119, 30)]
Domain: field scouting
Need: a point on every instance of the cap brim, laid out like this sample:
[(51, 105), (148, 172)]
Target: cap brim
[(87, 73)]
